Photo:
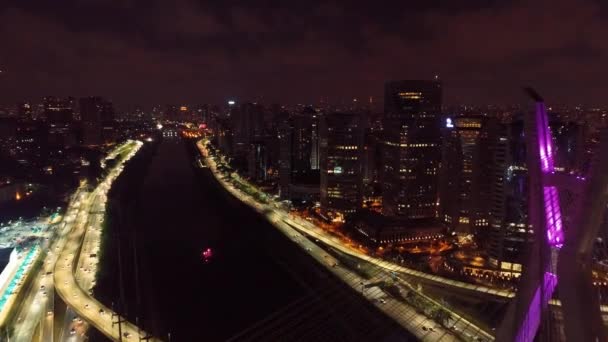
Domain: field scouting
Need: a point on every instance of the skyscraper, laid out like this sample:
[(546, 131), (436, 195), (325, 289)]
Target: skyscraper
[(465, 177), (91, 117), (284, 139), (301, 143), (58, 111), (248, 125), (509, 229), (314, 141), (97, 116), (341, 146), (411, 149), (59, 114)]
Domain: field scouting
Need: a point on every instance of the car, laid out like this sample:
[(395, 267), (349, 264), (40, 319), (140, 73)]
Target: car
[(49, 313), (86, 306), (44, 293), (308, 249), (101, 312), (42, 287), (424, 328), (72, 331), (382, 300), (74, 319), (126, 335)]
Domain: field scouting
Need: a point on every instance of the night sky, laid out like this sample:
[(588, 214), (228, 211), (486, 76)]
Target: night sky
[(146, 52)]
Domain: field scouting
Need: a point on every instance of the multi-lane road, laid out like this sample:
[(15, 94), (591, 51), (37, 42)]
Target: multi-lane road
[(69, 269), (74, 273), (415, 322), (38, 305)]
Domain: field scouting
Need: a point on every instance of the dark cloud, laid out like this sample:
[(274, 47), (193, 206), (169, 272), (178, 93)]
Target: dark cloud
[(189, 51)]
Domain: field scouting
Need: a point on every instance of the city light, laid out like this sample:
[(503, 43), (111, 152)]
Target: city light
[(448, 206), (449, 123)]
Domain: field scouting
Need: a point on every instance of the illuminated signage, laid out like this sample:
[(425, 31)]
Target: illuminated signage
[(183, 108), (338, 169), (231, 102), (449, 123)]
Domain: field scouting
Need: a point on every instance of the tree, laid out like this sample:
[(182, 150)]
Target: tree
[(442, 316)]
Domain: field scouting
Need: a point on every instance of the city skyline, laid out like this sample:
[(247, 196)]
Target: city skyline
[(131, 53), (325, 170)]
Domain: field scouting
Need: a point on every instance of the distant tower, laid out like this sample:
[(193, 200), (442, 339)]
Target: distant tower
[(91, 117), (314, 141), (59, 114), (284, 132)]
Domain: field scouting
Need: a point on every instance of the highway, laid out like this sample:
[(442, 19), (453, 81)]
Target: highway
[(403, 313), (69, 269), (66, 269), (38, 304)]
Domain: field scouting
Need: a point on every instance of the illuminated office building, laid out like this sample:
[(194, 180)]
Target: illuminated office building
[(411, 151), (341, 144), (509, 232), (59, 114), (465, 177)]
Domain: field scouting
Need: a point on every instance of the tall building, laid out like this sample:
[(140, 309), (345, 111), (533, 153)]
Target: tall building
[(25, 111), (257, 161), (314, 140), (284, 140), (411, 150), (341, 145), (301, 144), (465, 177), (90, 116), (108, 121), (97, 117), (510, 232), (509, 229), (569, 142), (58, 111), (59, 114), (248, 124)]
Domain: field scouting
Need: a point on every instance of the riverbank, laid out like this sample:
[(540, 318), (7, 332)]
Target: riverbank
[(415, 312)]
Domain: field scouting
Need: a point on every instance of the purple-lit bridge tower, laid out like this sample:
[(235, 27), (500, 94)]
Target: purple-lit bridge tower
[(560, 256)]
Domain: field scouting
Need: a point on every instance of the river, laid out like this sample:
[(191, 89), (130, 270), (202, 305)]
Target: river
[(163, 214)]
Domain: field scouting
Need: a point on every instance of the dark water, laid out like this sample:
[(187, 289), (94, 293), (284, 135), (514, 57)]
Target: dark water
[(178, 215), (166, 212)]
